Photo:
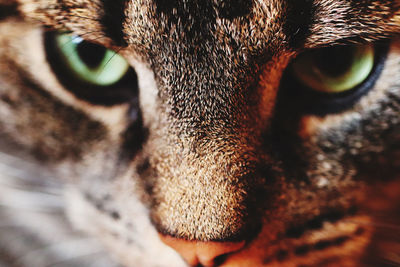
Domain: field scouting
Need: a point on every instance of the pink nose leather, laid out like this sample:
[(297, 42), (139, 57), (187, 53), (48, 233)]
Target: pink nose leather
[(204, 253)]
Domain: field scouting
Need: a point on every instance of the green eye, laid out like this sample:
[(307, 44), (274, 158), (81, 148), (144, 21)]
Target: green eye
[(89, 62), (90, 71), (335, 70)]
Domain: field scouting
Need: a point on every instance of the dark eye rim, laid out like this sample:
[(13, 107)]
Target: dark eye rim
[(313, 102), (123, 91)]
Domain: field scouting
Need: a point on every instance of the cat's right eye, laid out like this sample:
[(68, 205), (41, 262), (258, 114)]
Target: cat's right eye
[(90, 71), (91, 62)]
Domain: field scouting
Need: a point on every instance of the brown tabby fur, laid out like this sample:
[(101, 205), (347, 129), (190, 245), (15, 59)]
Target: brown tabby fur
[(223, 156)]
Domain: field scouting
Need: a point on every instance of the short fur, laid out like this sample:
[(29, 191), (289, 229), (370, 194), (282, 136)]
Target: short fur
[(222, 155)]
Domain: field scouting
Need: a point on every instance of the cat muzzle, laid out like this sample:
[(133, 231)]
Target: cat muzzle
[(197, 253)]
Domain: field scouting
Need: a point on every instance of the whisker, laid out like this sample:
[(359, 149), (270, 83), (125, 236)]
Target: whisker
[(10, 225), (18, 195), (62, 252), (375, 224), (80, 36), (93, 262), (19, 168), (108, 61), (389, 262), (30, 203)]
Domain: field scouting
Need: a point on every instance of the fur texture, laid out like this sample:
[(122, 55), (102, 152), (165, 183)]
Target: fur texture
[(216, 148)]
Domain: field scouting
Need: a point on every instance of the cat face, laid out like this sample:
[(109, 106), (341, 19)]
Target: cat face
[(211, 142)]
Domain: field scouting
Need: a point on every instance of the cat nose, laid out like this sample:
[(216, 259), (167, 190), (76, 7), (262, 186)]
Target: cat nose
[(197, 253)]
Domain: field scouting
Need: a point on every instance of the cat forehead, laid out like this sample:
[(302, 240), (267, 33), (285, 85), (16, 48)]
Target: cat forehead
[(206, 8), (259, 26), (225, 21), (196, 22), (300, 23)]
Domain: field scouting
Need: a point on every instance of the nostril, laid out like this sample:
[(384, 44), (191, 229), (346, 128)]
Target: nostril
[(197, 253), (220, 259)]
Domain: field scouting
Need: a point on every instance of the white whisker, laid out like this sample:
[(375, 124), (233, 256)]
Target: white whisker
[(18, 199), (63, 251), (375, 224)]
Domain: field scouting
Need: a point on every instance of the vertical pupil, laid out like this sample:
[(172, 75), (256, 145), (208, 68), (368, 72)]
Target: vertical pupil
[(91, 54), (334, 61)]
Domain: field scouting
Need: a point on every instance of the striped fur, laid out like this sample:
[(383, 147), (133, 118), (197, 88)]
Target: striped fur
[(216, 149)]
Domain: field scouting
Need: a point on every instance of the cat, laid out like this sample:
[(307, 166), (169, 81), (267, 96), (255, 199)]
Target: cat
[(200, 132)]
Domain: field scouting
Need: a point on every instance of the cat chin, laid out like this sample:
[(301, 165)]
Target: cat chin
[(133, 243)]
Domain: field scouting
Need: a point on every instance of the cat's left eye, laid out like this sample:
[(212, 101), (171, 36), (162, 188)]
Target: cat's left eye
[(332, 79), (335, 70), (90, 71)]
